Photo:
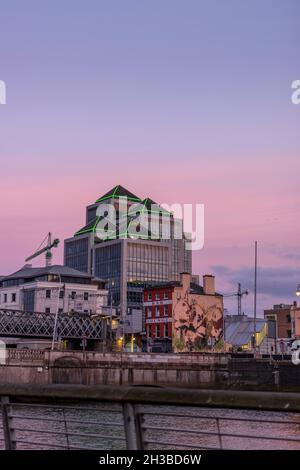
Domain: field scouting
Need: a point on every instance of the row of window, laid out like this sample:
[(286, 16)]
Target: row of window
[(60, 310), (13, 298), (134, 297), (73, 294), (148, 311), (158, 296), (159, 331), (148, 253)]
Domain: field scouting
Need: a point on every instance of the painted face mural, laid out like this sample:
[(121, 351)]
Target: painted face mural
[(198, 322)]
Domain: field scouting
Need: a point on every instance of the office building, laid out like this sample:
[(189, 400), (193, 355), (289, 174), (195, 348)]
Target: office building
[(138, 247)]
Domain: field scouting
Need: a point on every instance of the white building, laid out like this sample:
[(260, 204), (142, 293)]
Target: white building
[(53, 289)]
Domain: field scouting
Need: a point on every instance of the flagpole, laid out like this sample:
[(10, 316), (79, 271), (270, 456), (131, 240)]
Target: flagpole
[(255, 292)]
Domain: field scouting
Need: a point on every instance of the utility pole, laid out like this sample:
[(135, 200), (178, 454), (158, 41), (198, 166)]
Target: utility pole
[(239, 294), (239, 297), (110, 322), (56, 314), (255, 291)]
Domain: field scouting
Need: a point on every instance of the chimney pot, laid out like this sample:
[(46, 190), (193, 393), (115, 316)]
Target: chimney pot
[(209, 284)]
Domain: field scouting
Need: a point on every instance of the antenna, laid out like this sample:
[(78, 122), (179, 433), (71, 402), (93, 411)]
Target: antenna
[(255, 290), (239, 294)]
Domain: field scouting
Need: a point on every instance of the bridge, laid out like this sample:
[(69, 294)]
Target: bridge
[(41, 325)]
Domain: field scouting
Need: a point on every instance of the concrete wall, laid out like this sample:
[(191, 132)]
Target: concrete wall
[(93, 368), (186, 370)]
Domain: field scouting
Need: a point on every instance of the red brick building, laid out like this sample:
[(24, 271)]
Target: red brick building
[(182, 316), (282, 315), (157, 310), (287, 318)]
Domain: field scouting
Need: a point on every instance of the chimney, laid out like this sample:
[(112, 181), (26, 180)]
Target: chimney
[(185, 280), (209, 284)]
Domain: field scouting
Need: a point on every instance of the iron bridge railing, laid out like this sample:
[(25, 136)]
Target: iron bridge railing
[(107, 418), (34, 324)]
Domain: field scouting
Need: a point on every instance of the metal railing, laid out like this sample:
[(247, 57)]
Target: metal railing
[(41, 325), (107, 418), (24, 355)]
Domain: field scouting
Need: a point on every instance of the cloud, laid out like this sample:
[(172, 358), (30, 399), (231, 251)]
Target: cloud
[(276, 282)]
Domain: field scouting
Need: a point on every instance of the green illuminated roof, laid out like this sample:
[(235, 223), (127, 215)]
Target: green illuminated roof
[(92, 226), (116, 193), (119, 191)]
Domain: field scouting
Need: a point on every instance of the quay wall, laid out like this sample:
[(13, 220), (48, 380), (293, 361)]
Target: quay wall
[(175, 370)]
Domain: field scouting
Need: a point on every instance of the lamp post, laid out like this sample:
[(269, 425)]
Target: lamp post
[(224, 332), (56, 314), (132, 342), (111, 312), (298, 291)]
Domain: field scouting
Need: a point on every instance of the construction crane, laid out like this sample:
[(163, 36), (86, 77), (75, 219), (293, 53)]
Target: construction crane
[(239, 294), (46, 249)]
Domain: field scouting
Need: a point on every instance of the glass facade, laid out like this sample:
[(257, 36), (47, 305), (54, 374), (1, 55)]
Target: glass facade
[(28, 300), (76, 254), (147, 262), (108, 267), (176, 248)]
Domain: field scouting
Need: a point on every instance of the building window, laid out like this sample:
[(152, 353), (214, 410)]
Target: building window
[(5, 298), (73, 295), (47, 310), (149, 331), (289, 333), (158, 331), (165, 330), (157, 312), (60, 310), (86, 296), (166, 295), (148, 312), (150, 296), (61, 294), (157, 296), (13, 297), (288, 319), (48, 294), (166, 310)]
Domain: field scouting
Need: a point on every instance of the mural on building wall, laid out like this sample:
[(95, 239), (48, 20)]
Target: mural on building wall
[(198, 322)]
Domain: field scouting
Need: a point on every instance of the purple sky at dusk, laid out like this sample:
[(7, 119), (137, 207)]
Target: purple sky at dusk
[(182, 101)]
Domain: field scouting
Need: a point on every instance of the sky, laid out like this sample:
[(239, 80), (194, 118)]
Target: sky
[(184, 101)]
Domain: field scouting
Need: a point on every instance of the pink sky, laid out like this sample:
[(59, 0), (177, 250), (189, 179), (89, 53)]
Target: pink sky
[(182, 104)]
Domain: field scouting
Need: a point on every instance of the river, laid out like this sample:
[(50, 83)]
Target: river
[(45, 427)]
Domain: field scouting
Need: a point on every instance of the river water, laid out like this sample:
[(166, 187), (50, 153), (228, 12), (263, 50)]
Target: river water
[(45, 427)]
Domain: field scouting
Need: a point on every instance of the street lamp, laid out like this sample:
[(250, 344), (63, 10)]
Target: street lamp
[(132, 343), (298, 291), (56, 314)]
